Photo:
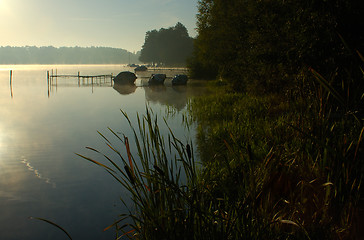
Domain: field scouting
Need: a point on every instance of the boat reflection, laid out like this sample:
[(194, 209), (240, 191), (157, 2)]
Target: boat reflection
[(125, 89), (171, 96)]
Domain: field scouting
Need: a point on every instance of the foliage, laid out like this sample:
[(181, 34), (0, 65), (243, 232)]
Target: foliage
[(53, 224), (300, 156), (293, 140), (172, 199), (65, 55), (171, 46), (266, 46), (280, 169), (281, 164)]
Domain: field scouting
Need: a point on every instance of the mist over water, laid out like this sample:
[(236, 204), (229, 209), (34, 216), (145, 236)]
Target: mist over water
[(42, 127)]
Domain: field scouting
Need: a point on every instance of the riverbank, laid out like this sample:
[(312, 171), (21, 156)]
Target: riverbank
[(270, 167), (289, 166)]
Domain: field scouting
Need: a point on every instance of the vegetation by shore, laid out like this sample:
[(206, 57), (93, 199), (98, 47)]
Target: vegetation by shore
[(287, 128), (296, 164), (279, 169), (280, 137)]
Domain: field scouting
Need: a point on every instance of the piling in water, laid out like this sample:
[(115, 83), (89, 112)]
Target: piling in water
[(11, 83)]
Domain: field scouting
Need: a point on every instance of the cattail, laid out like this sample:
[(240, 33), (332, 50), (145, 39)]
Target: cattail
[(129, 154), (188, 149), (128, 172)]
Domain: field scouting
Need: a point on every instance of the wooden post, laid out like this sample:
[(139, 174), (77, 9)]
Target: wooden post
[(56, 77), (78, 76), (11, 76), (11, 83), (49, 78), (92, 84)]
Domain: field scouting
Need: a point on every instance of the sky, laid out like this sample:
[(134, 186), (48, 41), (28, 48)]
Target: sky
[(86, 23)]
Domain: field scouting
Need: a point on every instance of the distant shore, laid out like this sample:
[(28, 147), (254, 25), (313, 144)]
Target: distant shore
[(66, 55)]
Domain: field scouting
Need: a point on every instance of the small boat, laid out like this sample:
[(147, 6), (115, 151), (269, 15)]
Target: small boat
[(125, 78), (180, 79), (140, 69), (157, 79)]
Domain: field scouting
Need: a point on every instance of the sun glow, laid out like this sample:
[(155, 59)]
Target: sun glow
[(6, 7), (3, 6)]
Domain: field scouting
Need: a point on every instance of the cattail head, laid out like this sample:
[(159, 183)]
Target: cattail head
[(188, 149), (130, 175)]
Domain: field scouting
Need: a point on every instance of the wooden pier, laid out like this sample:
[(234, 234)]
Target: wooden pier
[(93, 79), (82, 80)]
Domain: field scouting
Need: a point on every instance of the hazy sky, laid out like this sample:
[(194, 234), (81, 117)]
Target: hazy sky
[(85, 23)]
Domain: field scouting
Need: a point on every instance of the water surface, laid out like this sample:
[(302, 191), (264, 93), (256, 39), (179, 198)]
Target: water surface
[(42, 126)]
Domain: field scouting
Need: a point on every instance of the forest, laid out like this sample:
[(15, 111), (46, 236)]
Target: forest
[(268, 46), (66, 55)]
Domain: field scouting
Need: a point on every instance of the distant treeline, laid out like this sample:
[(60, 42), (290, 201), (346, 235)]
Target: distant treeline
[(66, 55)]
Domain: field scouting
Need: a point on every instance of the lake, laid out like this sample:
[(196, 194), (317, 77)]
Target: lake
[(43, 125)]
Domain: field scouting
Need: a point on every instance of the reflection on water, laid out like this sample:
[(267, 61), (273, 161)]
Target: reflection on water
[(42, 127), (167, 96), (36, 172), (125, 89)]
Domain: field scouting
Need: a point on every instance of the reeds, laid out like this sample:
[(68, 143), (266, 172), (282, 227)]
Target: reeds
[(272, 168), (296, 156), (171, 200)]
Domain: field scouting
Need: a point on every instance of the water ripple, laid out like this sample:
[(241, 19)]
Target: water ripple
[(37, 173)]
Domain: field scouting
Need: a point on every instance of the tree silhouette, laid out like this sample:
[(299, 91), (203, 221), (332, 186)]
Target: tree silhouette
[(170, 46), (266, 45)]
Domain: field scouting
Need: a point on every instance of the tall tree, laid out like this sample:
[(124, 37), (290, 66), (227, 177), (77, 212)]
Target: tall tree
[(170, 46), (267, 44)]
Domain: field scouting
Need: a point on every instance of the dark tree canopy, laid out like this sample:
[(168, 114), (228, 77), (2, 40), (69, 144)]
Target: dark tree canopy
[(267, 44), (170, 46)]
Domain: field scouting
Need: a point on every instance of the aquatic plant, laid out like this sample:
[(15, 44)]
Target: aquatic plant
[(297, 156), (163, 183)]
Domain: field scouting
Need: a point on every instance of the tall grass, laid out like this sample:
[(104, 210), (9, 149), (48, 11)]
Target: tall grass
[(298, 156), (272, 167), (171, 199)]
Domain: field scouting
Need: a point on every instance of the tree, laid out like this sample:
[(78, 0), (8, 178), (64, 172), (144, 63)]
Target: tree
[(170, 46), (266, 45)]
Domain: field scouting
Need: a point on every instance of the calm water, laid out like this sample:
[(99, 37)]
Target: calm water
[(41, 129)]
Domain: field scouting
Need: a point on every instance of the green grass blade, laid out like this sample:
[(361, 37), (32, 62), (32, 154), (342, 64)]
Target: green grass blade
[(328, 86), (54, 224)]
